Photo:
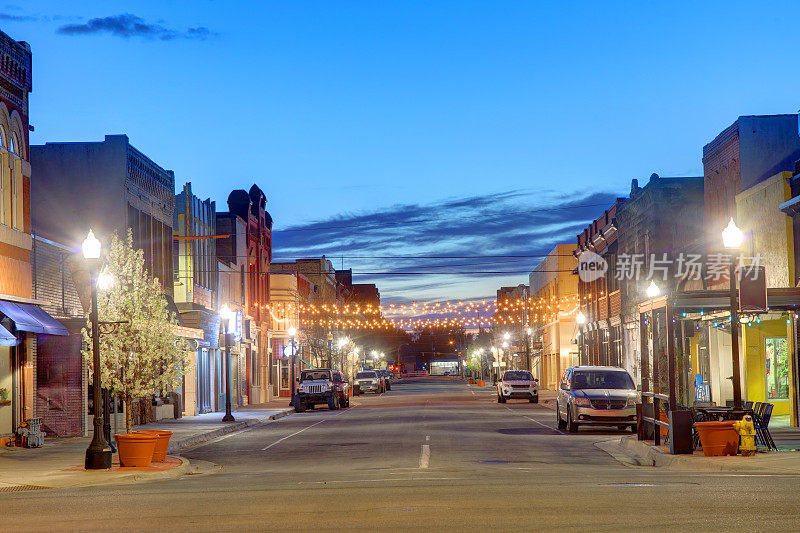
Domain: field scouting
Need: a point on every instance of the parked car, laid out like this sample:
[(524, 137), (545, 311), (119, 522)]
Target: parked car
[(598, 396), (367, 381), (318, 386), (517, 384)]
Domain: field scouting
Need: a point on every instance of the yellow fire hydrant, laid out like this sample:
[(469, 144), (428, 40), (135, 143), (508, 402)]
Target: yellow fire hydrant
[(747, 435)]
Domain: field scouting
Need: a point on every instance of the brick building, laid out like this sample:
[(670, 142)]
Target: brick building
[(600, 299), (23, 322), (745, 153), (250, 208)]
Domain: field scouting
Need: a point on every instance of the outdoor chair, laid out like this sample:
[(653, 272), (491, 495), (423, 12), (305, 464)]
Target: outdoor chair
[(762, 426)]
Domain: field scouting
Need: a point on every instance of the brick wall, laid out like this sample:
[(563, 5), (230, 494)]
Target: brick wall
[(60, 382)]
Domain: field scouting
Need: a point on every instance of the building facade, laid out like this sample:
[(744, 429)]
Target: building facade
[(600, 299), (553, 306), (23, 322), (195, 270), (250, 207), (108, 187)]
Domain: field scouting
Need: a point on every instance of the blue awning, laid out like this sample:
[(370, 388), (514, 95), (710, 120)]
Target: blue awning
[(7, 338), (28, 317)]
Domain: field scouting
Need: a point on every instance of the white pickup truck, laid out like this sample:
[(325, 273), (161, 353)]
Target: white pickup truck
[(518, 384)]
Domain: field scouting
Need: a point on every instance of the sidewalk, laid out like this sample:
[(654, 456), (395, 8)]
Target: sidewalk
[(630, 451), (192, 430), (59, 463)]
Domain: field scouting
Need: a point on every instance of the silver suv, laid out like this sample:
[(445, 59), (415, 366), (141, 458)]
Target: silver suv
[(596, 395)]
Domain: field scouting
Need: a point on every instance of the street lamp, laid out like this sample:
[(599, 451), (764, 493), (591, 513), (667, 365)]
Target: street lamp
[(652, 290), (292, 332), (98, 454), (227, 316), (732, 239)]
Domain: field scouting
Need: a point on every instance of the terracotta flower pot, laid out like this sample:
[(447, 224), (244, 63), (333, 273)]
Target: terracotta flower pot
[(718, 438), (471, 381), (162, 443), (135, 449), (481, 383)]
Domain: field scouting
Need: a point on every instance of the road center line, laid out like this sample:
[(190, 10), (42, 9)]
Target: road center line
[(292, 435), (425, 456)]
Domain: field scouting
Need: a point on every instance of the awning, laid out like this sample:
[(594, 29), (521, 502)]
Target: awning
[(7, 338), (28, 317)]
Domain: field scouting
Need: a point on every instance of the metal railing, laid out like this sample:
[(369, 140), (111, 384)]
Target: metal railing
[(654, 420)]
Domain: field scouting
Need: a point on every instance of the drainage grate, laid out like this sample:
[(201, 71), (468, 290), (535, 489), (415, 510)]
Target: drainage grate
[(20, 488)]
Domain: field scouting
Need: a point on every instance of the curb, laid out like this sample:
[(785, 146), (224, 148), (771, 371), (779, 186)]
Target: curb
[(232, 428), (643, 454)]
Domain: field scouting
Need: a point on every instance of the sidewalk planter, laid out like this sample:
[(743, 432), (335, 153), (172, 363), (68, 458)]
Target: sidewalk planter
[(162, 443), (471, 381), (718, 438), (135, 449), (481, 383)]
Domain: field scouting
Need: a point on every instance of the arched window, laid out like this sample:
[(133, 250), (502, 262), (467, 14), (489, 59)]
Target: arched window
[(12, 144), (3, 136)]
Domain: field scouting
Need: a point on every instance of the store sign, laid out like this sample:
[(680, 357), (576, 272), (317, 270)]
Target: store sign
[(753, 290)]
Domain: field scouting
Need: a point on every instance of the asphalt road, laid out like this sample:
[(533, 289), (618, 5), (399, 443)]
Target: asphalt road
[(430, 453)]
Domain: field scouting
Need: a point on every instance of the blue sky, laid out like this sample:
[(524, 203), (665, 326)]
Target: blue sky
[(353, 111)]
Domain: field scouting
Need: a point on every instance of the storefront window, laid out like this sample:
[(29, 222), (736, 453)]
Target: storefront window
[(284, 375), (777, 368)]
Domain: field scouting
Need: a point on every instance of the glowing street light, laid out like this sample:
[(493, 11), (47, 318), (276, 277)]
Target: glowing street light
[(98, 454), (732, 236), (580, 318), (652, 290), (227, 316)]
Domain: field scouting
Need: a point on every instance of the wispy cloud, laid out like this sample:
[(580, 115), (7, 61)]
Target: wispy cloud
[(127, 25), (498, 226), (18, 18)]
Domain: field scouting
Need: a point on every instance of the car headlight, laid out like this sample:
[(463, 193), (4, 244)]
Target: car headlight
[(374, 381), (582, 401)]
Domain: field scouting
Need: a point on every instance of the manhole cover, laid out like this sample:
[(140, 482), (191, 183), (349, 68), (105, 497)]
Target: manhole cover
[(20, 488)]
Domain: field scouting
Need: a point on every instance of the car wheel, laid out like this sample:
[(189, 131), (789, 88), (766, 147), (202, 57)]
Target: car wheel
[(572, 427), (299, 406), (535, 399), (356, 392), (559, 420), (333, 402), (633, 428), (503, 399), (499, 399)]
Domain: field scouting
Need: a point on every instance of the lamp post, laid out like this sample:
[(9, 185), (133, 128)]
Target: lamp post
[(227, 315), (292, 332), (732, 239), (98, 454), (580, 319), (528, 365)]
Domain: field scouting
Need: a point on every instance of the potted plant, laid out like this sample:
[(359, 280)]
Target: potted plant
[(3, 394), (142, 354)]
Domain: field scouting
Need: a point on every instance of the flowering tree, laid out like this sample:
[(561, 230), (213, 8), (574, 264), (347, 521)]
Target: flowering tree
[(141, 355)]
